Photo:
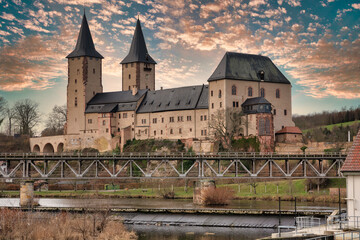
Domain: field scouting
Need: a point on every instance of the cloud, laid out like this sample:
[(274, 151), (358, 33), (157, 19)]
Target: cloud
[(7, 16), (294, 3), (356, 5), (34, 62)]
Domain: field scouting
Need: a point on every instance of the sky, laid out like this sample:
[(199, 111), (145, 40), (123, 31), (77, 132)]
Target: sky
[(315, 44)]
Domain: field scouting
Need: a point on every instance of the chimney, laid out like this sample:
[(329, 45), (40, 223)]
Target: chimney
[(134, 90)]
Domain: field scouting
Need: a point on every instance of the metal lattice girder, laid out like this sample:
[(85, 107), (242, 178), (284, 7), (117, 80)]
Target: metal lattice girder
[(162, 165)]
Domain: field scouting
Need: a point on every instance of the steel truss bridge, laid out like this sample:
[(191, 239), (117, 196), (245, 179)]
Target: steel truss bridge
[(160, 165)]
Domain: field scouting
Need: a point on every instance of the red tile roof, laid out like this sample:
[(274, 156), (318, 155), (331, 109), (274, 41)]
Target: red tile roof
[(352, 161), (289, 130)]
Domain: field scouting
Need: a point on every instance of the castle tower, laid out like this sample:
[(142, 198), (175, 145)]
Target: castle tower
[(84, 79), (138, 67)]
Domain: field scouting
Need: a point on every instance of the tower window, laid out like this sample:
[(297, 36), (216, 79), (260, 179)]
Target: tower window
[(233, 90), (124, 115), (154, 133), (219, 93), (104, 122), (250, 93), (171, 131), (93, 70), (277, 93), (129, 87), (78, 71), (212, 93), (129, 76), (75, 80), (75, 101), (212, 105), (126, 66), (262, 92), (89, 121), (221, 104), (274, 111), (285, 112), (76, 90), (161, 132)]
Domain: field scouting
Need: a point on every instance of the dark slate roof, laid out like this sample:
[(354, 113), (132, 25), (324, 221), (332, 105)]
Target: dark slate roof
[(175, 99), (85, 45), (255, 101), (239, 66), (138, 51), (104, 108), (116, 97), (114, 102)]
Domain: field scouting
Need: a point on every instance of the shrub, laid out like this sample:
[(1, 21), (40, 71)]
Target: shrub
[(15, 224), (217, 196)]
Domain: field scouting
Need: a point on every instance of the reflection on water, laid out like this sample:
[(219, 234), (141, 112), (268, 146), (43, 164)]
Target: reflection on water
[(198, 233), (166, 203)]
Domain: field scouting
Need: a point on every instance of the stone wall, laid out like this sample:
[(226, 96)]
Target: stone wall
[(315, 147)]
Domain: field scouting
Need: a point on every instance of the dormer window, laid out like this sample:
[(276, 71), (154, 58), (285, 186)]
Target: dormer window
[(262, 75)]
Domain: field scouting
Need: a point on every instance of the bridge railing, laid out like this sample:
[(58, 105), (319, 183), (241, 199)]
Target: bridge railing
[(177, 155)]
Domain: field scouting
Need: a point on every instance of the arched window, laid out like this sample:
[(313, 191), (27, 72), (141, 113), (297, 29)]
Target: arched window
[(250, 91), (233, 90), (267, 126), (261, 127), (262, 92), (219, 93), (277, 93)]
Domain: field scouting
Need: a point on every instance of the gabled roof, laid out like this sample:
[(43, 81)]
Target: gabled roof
[(85, 45), (352, 161), (293, 130), (138, 51), (255, 101), (239, 66), (183, 98), (116, 97)]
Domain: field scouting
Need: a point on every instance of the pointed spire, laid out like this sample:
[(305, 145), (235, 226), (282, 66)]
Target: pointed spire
[(85, 45), (138, 51)]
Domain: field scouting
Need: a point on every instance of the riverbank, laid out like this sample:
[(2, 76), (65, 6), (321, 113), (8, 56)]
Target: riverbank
[(287, 190)]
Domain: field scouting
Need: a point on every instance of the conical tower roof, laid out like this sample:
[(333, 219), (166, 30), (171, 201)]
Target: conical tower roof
[(138, 51), (85, 45)]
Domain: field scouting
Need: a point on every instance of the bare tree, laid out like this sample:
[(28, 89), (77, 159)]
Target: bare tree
[(227, 124), (10, 115), (55, 122), (26, 115), (3, 104)]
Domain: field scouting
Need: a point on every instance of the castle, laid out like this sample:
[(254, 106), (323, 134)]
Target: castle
[(104, 120)]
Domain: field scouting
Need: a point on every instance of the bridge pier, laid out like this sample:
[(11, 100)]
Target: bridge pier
[(200, 186), (27, 193)]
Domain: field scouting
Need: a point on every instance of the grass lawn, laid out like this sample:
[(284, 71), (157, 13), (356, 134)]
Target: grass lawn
[(330, 127), (264, 190)]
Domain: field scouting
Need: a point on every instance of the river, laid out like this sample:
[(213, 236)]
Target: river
[(168, 232)]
